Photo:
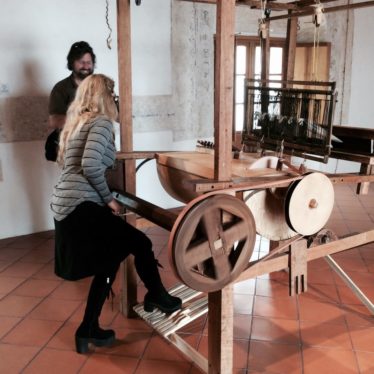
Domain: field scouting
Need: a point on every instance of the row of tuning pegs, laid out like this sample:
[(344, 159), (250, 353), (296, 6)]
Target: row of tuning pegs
[(205, 144), (210, 145)]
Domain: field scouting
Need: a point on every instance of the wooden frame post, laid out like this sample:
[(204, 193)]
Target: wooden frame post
[(363, 188), (290, 49), (265, 58), (224, 88), (220, 331), (129, 278), (221, 325)]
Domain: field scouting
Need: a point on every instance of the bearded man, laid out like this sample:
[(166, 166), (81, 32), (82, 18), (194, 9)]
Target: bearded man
[(81, 62)]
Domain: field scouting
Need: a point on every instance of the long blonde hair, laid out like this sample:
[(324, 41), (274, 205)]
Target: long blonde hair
[(94, 98)]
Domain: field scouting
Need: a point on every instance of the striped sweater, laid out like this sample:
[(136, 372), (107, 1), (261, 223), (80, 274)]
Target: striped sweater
[(87, 157)]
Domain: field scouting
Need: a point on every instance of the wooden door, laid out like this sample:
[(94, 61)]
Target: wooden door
[(312, 64)]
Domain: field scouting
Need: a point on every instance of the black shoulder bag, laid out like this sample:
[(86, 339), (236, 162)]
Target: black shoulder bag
[(51, 145)]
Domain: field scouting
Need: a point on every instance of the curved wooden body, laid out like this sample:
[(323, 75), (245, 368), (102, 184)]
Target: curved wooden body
[(176, 169)]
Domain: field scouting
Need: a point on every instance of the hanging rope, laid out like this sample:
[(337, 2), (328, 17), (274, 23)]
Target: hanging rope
[(315, 54), (317, 20), (109, 38), (262, 31)]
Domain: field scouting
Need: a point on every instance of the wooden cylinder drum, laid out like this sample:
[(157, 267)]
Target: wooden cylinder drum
[(268, 206), (309, 203)]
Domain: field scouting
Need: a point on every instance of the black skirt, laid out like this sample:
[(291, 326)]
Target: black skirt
[(91, 240)]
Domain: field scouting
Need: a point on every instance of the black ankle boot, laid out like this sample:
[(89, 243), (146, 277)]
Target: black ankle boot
[(89, 330), (95, 335), (161, 300)]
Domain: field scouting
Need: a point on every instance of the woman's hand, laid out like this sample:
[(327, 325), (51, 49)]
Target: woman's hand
[(115, 206)]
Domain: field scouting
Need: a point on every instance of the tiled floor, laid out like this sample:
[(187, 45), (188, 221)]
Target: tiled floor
[(326, 330)]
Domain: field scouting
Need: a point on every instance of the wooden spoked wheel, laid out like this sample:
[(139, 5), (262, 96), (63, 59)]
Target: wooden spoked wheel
[(309, 203), (212, 242)]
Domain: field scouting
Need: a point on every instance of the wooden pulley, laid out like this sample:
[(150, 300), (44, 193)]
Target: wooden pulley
[(309, 203), (268, 210), (270, 162), (267, 206), (212, 241)]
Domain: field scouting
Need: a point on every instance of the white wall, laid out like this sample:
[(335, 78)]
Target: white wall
[(151, 48), (40, 32), (25, 188), (361, 108)]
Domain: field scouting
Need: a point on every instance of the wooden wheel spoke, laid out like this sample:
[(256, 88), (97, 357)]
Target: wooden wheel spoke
[(211, 222), (236, 232), (190, 235), (197, 254), (222, 266)]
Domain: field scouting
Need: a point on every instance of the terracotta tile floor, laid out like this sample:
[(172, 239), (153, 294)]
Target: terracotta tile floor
[(326, 330)]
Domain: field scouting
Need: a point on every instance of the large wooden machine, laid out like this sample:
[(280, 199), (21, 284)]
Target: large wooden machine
[(230, 198)]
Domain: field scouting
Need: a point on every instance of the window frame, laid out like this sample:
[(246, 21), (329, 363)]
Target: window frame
[(251, 42)]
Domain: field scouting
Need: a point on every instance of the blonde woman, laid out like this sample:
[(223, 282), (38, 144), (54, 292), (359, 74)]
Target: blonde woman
[(90, 237)]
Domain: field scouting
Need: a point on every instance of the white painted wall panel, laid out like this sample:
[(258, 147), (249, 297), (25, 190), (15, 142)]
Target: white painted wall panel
[(361, 107)]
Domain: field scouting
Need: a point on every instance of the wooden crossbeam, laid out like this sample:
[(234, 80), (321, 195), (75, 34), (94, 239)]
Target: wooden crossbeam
[(353, 131), (304, 3), (241, 184), (161, 217), (254, 4), (280, 262), (308, 12), (300, 8), (138, 155), (201, 1)]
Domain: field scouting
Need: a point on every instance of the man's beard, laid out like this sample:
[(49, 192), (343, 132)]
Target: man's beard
[(83, 73)]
